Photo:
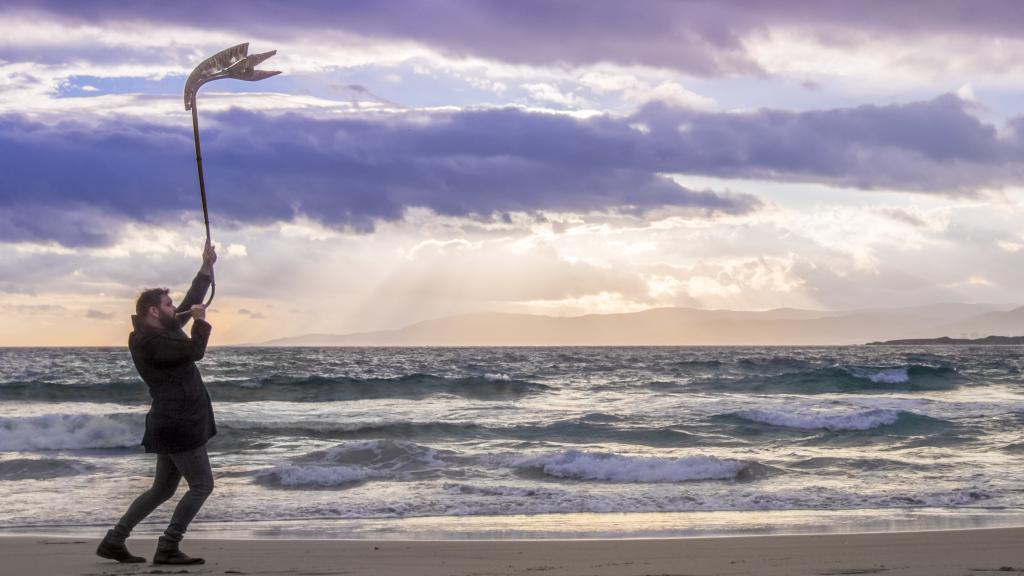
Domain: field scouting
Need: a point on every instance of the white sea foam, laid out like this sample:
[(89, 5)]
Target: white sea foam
[(883, 376), (497, 377), (71, 431), (355, 461), (293, 475), (821, 420), (380, 455), (624, 469)]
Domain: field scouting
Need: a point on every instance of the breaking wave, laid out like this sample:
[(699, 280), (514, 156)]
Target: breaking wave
[(356, 462), (842, 379), (71, 431), (881, 376), (310, 475), (876, 421), (574, 464), (860, 420)]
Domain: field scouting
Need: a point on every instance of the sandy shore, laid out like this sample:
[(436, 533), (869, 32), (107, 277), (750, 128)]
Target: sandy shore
[(954, 552)]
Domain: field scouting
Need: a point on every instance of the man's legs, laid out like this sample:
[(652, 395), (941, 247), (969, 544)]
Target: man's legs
[(165, 482), (194, 465)]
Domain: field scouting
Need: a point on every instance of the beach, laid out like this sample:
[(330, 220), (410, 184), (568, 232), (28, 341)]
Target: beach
[(931, 553)]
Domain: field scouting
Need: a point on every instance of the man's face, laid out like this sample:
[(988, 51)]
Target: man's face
[(165, 311)]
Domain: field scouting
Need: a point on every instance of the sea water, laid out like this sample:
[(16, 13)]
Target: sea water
[(532, 442)]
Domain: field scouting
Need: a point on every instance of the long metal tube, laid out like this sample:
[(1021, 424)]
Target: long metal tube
[(237, 63), (202, 191)]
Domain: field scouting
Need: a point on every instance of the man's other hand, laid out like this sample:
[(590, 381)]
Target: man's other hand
[(209, 258), (198, 312)]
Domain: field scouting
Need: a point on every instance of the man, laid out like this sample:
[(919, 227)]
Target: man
[(180, 419)]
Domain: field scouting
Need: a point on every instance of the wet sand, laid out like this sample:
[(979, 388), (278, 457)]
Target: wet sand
[(934, 553)]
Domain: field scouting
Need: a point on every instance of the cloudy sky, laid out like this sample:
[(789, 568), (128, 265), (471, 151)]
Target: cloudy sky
[(418, 159)]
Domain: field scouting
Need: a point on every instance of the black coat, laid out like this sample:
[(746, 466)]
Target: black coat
[(181, 416)]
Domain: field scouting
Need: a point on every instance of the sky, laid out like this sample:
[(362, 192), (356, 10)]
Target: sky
[(420, 159)]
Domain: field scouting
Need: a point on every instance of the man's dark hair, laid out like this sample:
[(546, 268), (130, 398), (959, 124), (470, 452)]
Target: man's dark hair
[(149, 297)]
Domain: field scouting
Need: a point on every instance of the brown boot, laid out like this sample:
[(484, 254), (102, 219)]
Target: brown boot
[(113, 548), (167, 552)]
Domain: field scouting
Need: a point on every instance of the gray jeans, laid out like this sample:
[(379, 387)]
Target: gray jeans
[(194, 465)]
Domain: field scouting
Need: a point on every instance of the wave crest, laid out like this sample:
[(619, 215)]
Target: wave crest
[(356, 462), (299, 476), (616, 468), (71, 431), (882, 376), (841, 379), (819, 420)]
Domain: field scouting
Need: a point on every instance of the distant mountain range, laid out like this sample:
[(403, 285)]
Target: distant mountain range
[(688, 326), (947, 341)]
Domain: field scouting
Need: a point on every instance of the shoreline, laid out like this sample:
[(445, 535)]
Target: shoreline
[(935, 552), (574, 526)]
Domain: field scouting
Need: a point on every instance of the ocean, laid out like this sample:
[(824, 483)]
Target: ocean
[(532, 442)]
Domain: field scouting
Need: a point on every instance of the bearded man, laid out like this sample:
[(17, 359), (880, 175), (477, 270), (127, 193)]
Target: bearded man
[(180, 418)]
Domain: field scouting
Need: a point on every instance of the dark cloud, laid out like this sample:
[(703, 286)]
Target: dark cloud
[(70, 183), (98, 315), (341, 172), (69, 223), (697, 37), (930, 146)]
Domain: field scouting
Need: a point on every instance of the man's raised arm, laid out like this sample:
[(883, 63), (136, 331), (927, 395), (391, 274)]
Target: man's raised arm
[(201, 283)]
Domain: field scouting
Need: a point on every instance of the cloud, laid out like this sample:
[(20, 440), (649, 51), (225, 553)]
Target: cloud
[(73, 183), (498, 272), (819, 255), (252, 315), (68, 224), (699, 38), (637, 91), (901, 215), (98, 315), (341, 172), (927, 146), (33, 309)]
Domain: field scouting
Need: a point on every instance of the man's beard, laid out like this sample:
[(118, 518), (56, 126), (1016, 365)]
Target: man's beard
[(169, 322)]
